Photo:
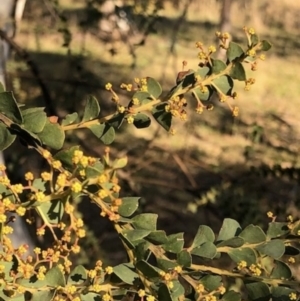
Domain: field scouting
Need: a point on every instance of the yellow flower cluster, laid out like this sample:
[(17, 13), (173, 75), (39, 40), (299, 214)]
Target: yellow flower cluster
[(176, 107)]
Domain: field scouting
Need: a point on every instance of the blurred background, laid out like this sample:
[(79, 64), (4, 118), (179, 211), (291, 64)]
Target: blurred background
[(215, 166)]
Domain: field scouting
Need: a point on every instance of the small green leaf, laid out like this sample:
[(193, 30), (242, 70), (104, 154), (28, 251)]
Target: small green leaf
[(281, 271), (165, 264), (153, 87), (218, 66), (184, 258), (128, 206), (55, 277), (229, 229), (117, 120), (28, 138), (203, 234), (203, 96), (6, 193), (108, 134), (265, 45), (158, 237), (69, 119), (258, 291), (39, 184), (9, 107), (77, 276), (134, 235), (224, 84), (234, 242), (145, 221), (244, 254), (175, 243), (274, 248), (127, 242), (143, 97), (277, 229), (104, 131), (125, 274), (164, 293), (141, 121), (32, 282), (254, 39), (206, 250), (234, 51), (231, 296), (97, 129), (189, 80), (281, 293), (147, 269), (253, 234), (66, 155), (177, 291), (211, 282), (120, 163), (238, 71), (291, 251), (162, 117), (142, 251), (94, 170), (6, 138), (202, 72), (52, 135), (91, 110), (34, 119), (52, 212)]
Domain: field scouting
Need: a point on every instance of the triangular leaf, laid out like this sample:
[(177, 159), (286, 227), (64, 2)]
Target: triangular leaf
[(141, 121), (238, 72), (69, 119), (125, 274), (281, 271), (153, 87), (6, 138), (253, 234), (204, 234), (229, 229), (163, 117), (55, 277), (274, 248), (175, 243), (206, 250), (34, 119), (258, 291), (224, 84), (234, 51), (218, 66), (91, 110), (129, 206), (184, 258), (145, 221), (244, 254), (77, 276), (9, 107), (52, 135)]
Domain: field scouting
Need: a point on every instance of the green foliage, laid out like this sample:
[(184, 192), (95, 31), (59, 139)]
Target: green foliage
[(161, 266)]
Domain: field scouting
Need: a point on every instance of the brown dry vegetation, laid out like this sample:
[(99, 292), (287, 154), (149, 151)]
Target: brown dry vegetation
[(205, 172)]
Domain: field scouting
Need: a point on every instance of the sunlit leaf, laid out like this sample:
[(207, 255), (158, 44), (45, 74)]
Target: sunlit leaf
[(234, 51)]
